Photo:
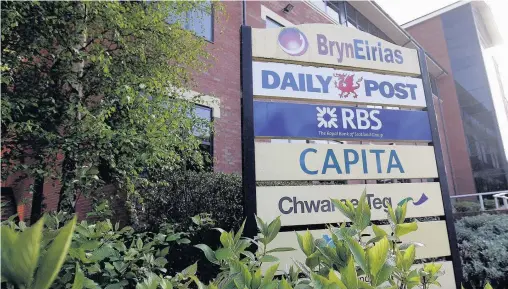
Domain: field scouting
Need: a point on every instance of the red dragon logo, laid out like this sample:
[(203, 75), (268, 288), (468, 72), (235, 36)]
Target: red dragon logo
[(345, 84)]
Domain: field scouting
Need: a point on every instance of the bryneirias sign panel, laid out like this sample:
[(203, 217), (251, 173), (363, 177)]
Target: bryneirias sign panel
[(292, 120), (321, 83), (332, 44), (305, 205), (278, 162), (433, 235)]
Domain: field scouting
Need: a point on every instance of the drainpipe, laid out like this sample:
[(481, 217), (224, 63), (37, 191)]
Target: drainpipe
[(244, 12)]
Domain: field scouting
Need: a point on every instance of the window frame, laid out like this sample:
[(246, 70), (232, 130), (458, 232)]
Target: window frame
[(211, 139)]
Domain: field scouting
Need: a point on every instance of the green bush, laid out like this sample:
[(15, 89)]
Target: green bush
[(483, 245), (180, 196), (466, 206), (177, 198)]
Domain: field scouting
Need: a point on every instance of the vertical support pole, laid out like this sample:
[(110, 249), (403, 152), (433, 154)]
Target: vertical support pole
[(452, 237), (482, 204), (248, 153)]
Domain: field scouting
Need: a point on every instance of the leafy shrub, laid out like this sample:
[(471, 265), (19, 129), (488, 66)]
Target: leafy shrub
[(381, 259), (31, 260), (466, 206), (483, 245), (180, 196), (490, 204), (106, 256)]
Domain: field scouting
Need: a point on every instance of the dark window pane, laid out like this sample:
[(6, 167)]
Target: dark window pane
[(270, 23), (199, 20)]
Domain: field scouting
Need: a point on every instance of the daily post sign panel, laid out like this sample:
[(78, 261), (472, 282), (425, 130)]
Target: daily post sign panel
[(278, 162), (433, 235), (306, 205), (292, 120), (321, 83), (331, 44)]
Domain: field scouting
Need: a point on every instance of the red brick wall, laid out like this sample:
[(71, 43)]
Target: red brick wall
[(223, 79), (431, 36)]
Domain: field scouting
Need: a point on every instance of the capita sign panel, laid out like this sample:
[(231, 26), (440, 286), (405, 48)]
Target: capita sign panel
[(306, 82), (285, 162), (335, 45), (308, 205), (293, 120)]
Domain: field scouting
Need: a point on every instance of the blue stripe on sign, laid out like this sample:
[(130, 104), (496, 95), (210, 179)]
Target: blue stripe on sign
[(291, 120)]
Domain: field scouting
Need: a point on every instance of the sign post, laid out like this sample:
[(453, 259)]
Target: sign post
[(445, 194), (321, 83)]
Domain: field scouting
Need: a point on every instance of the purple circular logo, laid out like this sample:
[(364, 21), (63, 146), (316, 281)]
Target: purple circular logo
[(293, 41)]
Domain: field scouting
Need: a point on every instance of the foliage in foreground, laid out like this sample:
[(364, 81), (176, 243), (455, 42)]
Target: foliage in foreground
[(31, 260), (483, 247), (342, 264), (102, 255)]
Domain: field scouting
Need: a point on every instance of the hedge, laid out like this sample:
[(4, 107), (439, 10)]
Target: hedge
[(483, 246)]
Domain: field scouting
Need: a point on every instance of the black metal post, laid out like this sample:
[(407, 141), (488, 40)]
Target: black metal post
[(248, 154), (452, 237)]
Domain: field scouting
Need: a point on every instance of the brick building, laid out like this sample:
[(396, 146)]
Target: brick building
[(221, 85)]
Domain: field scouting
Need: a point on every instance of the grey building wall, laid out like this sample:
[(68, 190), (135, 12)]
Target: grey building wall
[(475, 99)]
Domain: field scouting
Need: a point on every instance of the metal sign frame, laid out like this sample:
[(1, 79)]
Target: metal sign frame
[(248, 152)]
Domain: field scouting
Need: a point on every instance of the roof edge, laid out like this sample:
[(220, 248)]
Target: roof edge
[(435, 13)]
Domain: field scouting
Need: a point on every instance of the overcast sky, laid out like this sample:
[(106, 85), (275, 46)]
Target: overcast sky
[(404, 11)]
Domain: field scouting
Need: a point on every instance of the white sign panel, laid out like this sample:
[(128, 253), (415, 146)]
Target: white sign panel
[(304, 205), (307, 82), (332, 44), (285, 162), (433, 235)]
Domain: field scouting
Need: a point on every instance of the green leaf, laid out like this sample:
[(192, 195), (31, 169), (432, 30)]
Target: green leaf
[(226, 239), (280, 249), (376, 256), (356, 249), (79, 278), (256, 279), (391, 215), (378, 231), (344, 209), (409, 257), (383, 274), (335, 279), (487, 286), (209, 254), (55, 256), (262, 227), (190, 270), (223, 254), (348, 275), (270, 272), (406, 228), (240, 232), (268, 259), (273, 230), (306, 242), (243, 279), (20, 253), (362, 214), (283, 284)]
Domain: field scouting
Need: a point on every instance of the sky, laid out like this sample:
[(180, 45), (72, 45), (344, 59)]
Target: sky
[(403, 11)]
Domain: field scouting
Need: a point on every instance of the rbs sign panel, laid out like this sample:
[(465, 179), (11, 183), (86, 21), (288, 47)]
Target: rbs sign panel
[(292, 120), (279, 162), (306, 82)]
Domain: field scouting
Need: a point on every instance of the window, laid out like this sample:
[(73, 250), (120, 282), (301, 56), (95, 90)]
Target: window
[(206, 136), (199, 20), (270, 23)]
